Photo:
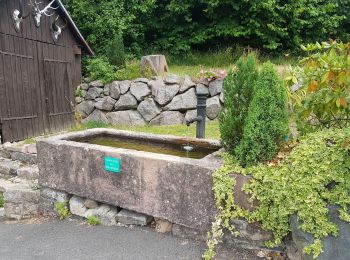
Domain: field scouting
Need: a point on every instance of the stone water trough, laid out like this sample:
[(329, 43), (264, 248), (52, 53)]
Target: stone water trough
[(163, 183)]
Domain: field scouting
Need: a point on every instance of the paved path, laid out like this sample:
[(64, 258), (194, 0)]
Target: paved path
[(72, 239)]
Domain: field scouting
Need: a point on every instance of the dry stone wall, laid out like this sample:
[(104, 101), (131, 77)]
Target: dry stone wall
[(159, 101)]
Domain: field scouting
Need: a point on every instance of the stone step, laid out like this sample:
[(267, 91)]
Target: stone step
[(24, 157), (9, 167), (30, 172), (21, 198), (4, 154)]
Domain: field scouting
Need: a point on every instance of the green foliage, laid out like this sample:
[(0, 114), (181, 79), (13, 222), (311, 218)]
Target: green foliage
[(100, 21), (313, 176), (1, 200), (115, 52), (267, 119), (131, 71), (262, 24), (93, 220), (292, 82), (200, 24), (62, 209), (78, 93), (326, 79), (223, 185), (238, 90), (100, 68)]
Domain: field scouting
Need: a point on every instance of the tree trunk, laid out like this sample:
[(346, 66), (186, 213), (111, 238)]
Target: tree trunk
[(154, 65)]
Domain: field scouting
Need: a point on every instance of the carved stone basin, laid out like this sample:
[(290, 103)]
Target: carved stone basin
[(166, 186)]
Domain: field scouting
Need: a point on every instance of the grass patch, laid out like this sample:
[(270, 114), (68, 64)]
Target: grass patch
[(212, 129), (192, 63), (29, 141), (93, 221), (1, 200)]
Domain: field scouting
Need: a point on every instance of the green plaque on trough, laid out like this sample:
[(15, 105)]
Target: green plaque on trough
[(112, 164)]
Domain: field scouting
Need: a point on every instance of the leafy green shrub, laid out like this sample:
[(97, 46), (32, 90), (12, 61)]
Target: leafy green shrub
[(78, 93), (131, 71), (93, 220), (267, 119), (115, 51), (326, 80), (238, 89), (100, 68), (314, 175), (62, 209)]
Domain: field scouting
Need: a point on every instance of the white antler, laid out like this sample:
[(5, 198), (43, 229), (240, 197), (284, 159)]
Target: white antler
[(38, 13), (56, 30)]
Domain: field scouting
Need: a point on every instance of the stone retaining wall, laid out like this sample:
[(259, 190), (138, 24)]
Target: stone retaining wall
[(19, 181), (159, 101)]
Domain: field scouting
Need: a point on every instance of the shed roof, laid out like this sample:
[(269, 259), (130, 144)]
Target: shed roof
[(75, 28)]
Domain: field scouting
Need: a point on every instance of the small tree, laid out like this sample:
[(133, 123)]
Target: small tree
[(267, 119), (238, 88), (115, 51)]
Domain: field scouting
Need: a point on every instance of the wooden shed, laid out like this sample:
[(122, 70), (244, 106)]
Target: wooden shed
[(40, 66)]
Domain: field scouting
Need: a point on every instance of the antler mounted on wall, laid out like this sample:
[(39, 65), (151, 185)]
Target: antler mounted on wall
[(47, 11), (57, 30), (18, 16)]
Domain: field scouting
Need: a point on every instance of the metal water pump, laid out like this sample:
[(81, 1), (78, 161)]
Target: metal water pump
[(202, 95)]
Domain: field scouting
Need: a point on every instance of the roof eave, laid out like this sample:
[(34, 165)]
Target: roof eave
[(75, 28)]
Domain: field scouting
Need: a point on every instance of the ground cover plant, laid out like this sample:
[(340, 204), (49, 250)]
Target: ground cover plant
[(309, 173), (291, 186), (93, 220), (62, 209)]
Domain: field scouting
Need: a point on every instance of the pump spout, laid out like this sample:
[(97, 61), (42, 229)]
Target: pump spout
[(196, 119)]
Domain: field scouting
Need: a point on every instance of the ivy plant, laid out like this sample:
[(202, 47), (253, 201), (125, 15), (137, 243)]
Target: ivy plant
[(314, 175)]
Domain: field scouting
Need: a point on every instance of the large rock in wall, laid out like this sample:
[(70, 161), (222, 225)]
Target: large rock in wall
[(158, 101)]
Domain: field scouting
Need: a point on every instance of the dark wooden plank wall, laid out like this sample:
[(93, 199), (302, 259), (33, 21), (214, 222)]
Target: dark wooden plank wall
[(37, 76)]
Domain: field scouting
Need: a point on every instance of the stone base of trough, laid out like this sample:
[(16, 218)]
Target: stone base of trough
[(251, 236)]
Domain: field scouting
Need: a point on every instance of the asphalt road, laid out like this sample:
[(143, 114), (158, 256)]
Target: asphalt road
[(72, 239)]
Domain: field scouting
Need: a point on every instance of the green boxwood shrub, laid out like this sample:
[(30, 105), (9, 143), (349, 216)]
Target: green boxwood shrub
[(238, 88), (267, 119)]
